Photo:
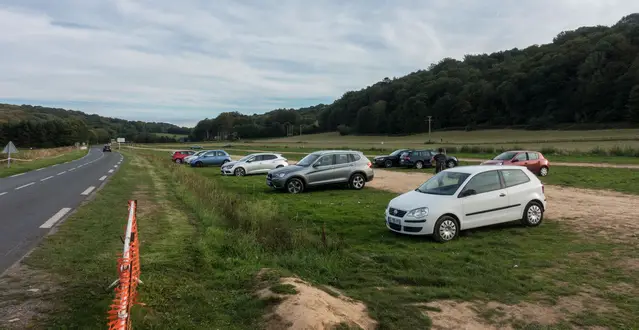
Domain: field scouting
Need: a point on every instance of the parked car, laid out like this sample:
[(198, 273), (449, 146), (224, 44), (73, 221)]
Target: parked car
[(179, 155), (389, 160), (468, 197), (322, 168), (106, 148), (196, 147), (533, 160), (211, 157), (189, 158), (254, 164), (424, 158)]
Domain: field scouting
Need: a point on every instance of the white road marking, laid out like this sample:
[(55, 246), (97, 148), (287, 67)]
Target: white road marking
[(55, 218), (103, 178), (88, 191), (3, 193), (110, 171), (40, 169), (47, 178), (80, 165), (62, 172), (71, 169), (15, 175), (54, 165), (115, 166), (26, 185)]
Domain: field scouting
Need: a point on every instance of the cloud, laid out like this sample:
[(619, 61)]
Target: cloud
[(181, 61)]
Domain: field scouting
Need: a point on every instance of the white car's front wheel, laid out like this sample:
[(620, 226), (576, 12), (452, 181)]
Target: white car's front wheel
[(446, 229), (240, 172)]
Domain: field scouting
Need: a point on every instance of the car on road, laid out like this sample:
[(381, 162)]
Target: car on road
[(106, 148), (533, 160), (211, 157), (196, 147), (323, 168), (389, 160), (189, 158), (468, 197), (254, 164), (179, 155), (424, 158)]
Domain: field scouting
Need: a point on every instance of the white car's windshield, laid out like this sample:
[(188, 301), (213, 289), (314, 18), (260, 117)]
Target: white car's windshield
[(308, 160), (245, 158), (508, 155), (444, 183)]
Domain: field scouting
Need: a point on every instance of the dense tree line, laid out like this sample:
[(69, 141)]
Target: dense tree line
[(582, 79), (36, 126)]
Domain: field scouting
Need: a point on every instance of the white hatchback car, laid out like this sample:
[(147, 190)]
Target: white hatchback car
[(468, 197), (254, 164)]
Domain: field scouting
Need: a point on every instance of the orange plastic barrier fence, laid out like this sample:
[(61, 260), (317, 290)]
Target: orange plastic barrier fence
[(126, 294)]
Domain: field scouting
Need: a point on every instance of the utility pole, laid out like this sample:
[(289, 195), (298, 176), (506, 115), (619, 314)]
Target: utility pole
[(429, 120)]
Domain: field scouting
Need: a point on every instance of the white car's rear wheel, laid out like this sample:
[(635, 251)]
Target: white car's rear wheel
[(446, 229), (533, 214)]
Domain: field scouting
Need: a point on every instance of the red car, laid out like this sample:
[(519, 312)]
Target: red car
[(533, 160), (178, 156)]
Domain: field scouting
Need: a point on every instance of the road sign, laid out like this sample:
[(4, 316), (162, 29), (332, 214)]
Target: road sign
[(120, 140), (9, 149)]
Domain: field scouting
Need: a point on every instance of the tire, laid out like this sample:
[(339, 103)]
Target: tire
[(357, 181), (199, 164), (419, 165), (239, 172), (446, 229), (178, 161), (533, 214), (450, 164), (294, 186), (544, 171), (388, 163), (279, 166)]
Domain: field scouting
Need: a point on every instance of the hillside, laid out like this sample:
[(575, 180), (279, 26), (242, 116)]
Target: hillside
[(586, 78), (36, 126)]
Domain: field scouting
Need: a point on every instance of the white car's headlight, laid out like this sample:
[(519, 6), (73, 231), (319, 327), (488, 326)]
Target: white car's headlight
[(418, 213)]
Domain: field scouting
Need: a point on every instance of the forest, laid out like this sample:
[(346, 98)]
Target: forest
[(43, 127), (587, 78)]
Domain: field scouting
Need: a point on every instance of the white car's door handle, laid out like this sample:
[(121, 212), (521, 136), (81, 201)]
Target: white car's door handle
[(502, 195)]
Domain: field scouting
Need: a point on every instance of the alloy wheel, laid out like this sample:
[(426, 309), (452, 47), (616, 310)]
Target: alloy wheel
[(534, 214)]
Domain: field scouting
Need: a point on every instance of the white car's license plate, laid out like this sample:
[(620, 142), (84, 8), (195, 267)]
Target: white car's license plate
[(395, 221)]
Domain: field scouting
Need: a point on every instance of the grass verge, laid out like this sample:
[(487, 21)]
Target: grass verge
[(18, 167), (204, 237)]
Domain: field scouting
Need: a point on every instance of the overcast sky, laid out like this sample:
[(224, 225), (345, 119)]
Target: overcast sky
[(182, 61)]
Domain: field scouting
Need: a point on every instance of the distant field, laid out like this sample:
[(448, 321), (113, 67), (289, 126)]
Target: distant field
[(175, 136)]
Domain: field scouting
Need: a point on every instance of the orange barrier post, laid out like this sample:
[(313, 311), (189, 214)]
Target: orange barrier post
[(126, 294)]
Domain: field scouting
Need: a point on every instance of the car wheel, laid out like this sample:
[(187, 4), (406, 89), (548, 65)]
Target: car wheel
[(533, 214), (279, 166), (224, 162), (388, 163), (294, 186), (451, 164), (419, 165), (240, 172), (446, 229), (199, 164), (357, 181), (543, 171), (178, 161)]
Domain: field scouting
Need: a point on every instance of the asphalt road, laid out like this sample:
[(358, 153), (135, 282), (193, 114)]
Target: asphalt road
[(34, 202)]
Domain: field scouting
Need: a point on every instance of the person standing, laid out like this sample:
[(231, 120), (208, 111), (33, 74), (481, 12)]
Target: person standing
[(440, 160)]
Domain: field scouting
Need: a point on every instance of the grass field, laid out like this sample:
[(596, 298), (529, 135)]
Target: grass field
[(60, 156), (205, 237)]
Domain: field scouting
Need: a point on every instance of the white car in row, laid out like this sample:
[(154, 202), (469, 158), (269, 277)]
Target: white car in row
[(254, 164), (468, 197), (187, 160)]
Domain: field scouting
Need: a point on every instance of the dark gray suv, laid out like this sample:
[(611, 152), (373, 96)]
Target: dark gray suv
[(321, 168)]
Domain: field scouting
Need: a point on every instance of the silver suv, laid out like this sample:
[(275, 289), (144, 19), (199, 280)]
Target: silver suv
[(321, 168)]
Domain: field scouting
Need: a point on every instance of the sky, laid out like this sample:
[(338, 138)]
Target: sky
[(183, 61)]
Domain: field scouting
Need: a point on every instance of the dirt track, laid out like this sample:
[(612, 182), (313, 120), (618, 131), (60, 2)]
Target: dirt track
[(591, 211)]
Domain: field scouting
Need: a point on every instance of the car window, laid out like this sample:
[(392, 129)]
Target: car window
[(521, 156), (354, 157), (210, 153), (325, 160), (484, 182), (514, 177), (508, 155), (268, 157), (341, 159), (308, 160), (533, 156), (257, 158), (396, 152), (444, 183)]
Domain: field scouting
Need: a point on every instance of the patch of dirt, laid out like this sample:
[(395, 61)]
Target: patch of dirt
[(313, 309), (494, 315), (23, 293)]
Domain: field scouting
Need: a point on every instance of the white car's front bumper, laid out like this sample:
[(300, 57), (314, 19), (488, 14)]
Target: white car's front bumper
[(408, 226)]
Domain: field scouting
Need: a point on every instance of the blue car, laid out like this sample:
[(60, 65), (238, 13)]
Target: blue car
[(212, 157)]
